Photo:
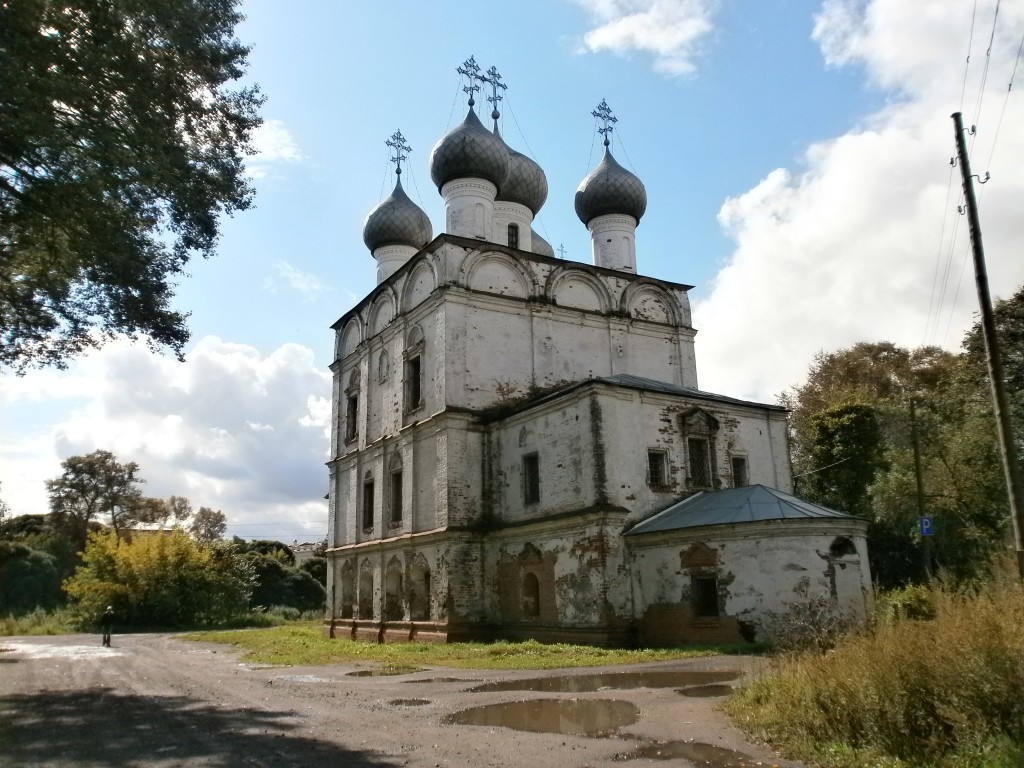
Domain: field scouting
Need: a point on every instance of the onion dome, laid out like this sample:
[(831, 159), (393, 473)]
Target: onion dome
[(397, 221), (470, 151), (541, 246), (526, 183), (610, 188)]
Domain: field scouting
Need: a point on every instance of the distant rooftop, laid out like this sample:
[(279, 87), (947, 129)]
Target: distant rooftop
[(730, 506)]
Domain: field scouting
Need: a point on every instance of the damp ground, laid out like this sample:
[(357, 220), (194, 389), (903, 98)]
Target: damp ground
[(153, 701)]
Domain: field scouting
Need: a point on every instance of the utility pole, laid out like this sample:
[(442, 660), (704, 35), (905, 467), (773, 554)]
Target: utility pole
[(1004, 428)]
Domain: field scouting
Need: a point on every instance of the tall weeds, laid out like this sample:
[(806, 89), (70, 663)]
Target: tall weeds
[(947, 691)]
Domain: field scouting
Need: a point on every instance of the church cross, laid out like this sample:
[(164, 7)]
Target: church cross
[(608, 121), (493, 78), (471, 70), (561, 250), (402, 150)]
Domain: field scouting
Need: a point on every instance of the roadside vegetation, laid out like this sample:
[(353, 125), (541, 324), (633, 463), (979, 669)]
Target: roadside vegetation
[(936, 681), (306, 646)]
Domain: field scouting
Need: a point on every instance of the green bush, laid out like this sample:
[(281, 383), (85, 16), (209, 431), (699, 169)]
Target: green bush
[(29, 579), (159, 581)]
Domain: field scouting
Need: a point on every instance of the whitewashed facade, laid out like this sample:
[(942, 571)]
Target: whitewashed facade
[(502, 418)]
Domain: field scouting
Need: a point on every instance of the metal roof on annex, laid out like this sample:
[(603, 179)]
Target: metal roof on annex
[(749, 504), (651, 385)]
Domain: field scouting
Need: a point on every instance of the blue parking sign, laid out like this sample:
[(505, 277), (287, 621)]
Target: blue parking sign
[(925, 526)]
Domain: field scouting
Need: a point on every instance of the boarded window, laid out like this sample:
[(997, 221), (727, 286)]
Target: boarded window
[(705, 596), (531, 478), (368, 504), (739, 472), (657, 468), (700, 462)]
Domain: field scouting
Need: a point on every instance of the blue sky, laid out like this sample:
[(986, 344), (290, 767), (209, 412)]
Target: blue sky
[(795, 156)]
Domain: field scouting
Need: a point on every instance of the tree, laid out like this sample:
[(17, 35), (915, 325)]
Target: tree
[(94, 485), (159, 580), (121, 142), (208, 525)]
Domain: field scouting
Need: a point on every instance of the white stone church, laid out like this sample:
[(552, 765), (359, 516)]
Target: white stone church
[(520, 448)]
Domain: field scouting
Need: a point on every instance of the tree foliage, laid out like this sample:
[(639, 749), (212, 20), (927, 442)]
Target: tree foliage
[(941, 398), (121, 142), (94, 486), (208, 525), (160, 579), (29, 579)]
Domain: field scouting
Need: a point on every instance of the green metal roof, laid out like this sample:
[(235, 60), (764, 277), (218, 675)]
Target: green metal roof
[(750, 504)]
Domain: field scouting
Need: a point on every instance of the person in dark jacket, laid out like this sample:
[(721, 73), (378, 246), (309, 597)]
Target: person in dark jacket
[(106, 622)]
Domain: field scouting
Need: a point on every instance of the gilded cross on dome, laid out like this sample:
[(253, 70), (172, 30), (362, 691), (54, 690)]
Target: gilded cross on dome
[(608, 121), (402, 150), (471, 70)]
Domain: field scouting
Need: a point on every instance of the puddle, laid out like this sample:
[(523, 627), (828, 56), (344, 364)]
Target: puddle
[(303, 679), (612, 680), (708, 691), (576, 717), (391, 669), (704, 755), (408, 702), (440, 680)]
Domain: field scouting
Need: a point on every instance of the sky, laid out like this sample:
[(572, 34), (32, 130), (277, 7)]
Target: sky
[(796, 157)]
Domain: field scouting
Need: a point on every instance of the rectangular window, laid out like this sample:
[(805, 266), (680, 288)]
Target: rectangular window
[(739, 472), (705, 596), (657, 468), (396, 497), (368, 504), (700, 463), (413, 383), (352, 418), (531, 478)]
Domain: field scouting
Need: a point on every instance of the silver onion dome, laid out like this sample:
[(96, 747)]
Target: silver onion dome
[(540, 245), (397, 221), (610, 188), (470, 151), (526, 183)]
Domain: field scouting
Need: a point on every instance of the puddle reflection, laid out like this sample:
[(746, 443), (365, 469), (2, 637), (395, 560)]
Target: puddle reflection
[(383, 671), (705, 755), (576, 717), (612, 680), (708, 691)]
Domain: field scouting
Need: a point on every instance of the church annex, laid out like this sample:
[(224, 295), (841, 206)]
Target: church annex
[(519, 445)]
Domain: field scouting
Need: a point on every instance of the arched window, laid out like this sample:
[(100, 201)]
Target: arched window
[(513, 235), (395, 487), (531, 596)]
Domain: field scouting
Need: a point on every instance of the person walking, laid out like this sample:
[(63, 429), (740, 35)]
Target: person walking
[(106, 622)]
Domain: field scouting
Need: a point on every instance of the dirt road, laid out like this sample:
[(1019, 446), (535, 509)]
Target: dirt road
[(152, 701)]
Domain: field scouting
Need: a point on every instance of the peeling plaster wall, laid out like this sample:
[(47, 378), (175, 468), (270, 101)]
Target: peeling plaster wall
[(761, 568)]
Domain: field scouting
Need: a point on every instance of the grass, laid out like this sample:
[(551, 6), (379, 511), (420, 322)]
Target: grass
[(305, 645), (946, 692), (40, 622)]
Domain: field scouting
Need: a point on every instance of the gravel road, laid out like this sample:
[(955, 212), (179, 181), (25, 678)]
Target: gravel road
[(152, 701)]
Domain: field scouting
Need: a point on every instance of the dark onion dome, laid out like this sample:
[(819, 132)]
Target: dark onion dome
[(541, 246), (610, 188), (526, 183), (470, 151), (397, 221)]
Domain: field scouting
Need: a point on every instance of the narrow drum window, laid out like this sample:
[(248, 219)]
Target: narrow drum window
[(531, 478), (513, 235)]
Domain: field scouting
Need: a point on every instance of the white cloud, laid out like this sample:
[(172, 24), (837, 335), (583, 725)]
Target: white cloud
[(669, 29), (274, 144), (284, 274), (230, 429), (846, 249)]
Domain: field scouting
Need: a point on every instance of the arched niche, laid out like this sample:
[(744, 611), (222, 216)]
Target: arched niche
[(366, 590), (574, 287), (382, 312), (419, 588), (348, 589), (393, 604), (348, 338), (420, 283), (500, 273), (649, 301)]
